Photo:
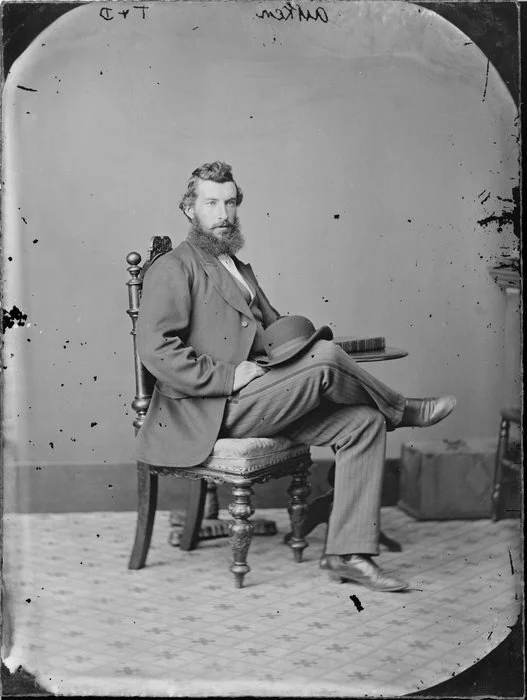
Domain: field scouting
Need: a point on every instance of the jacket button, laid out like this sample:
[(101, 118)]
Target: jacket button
[(245, 324)]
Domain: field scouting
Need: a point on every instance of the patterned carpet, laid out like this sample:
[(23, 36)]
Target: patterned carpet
[(85, 625)]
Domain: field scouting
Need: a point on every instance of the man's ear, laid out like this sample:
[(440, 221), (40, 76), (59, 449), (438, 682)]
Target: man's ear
[(189, 212)]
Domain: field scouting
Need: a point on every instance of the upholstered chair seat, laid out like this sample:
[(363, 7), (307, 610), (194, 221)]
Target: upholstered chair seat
[(246, 456)]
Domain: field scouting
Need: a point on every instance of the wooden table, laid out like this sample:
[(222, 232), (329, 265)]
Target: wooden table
[(388, 353), (212, 526)]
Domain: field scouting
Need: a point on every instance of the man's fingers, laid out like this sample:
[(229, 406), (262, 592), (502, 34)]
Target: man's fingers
[(245, 373)]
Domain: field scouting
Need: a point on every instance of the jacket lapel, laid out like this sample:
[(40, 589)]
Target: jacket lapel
[(222, 280), (267, 311)]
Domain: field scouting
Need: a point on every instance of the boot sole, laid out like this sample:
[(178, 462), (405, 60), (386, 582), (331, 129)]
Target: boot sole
[(343, 578)]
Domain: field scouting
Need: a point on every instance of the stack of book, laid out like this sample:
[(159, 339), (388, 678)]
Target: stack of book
[(352, 344)]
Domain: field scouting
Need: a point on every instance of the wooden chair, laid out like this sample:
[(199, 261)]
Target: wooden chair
[(239, 462), (508, 458)]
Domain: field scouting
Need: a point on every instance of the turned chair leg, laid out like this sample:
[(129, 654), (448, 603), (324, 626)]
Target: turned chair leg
[(298, 511), (146, 511), (194, 515), (241, 530), (498, 471)]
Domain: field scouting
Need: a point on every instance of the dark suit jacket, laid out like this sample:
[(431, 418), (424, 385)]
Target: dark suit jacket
[(194, 327)]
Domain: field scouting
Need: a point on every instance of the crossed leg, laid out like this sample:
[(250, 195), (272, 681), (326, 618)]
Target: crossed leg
[(325, 398), (325, 373)]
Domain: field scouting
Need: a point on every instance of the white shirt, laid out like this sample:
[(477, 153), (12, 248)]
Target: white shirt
[(230, 265)]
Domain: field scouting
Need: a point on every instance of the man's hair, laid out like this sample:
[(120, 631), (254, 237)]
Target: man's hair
[(217, 172)]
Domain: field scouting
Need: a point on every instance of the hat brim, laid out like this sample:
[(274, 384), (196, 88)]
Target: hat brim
[(322, 333)]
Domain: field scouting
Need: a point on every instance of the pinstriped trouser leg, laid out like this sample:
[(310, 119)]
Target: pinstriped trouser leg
[(324, 398), (359, 435)]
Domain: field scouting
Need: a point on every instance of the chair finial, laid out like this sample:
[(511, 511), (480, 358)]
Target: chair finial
[(133, 258)]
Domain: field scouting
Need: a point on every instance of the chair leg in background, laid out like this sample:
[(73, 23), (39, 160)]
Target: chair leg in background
[(212, 526), (319, 510), (498, 472), (146, 511), (298, 512), (241, 529), (388, 542), (196, 504)]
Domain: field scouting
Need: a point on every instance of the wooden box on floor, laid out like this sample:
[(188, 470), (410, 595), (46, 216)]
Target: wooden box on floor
[(447, 479)]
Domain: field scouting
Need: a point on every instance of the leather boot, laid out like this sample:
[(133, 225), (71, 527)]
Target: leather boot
[(420, 413), (361, 569)]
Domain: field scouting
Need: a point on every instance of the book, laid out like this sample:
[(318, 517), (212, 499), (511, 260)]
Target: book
[(352, 344)]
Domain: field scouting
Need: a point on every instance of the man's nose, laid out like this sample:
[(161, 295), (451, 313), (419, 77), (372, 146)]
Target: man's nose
[(221, 211)]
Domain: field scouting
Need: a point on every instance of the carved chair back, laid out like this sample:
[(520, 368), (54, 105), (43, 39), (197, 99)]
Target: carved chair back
[(144, 381)]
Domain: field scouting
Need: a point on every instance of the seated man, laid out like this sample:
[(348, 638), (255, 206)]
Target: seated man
[(201, 328)]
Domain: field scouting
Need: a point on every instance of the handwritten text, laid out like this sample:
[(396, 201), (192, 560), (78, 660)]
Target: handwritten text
[(107, 12), (294, 12)]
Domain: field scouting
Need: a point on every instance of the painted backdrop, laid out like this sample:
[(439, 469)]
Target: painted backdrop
[(372, 143)]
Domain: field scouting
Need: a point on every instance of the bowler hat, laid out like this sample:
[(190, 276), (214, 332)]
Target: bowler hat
[(288, 336)]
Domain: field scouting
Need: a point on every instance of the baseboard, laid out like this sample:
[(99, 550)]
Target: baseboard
[(70, 488)]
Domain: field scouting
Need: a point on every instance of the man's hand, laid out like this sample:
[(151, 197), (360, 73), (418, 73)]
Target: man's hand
[(244, 373)]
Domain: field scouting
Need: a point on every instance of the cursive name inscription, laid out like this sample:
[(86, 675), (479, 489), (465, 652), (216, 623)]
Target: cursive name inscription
[(294, 12)]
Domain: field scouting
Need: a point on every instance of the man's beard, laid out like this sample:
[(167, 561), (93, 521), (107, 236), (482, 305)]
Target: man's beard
[(230, 242)]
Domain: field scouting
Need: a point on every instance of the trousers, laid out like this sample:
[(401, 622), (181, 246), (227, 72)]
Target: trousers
[(323, 397)]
